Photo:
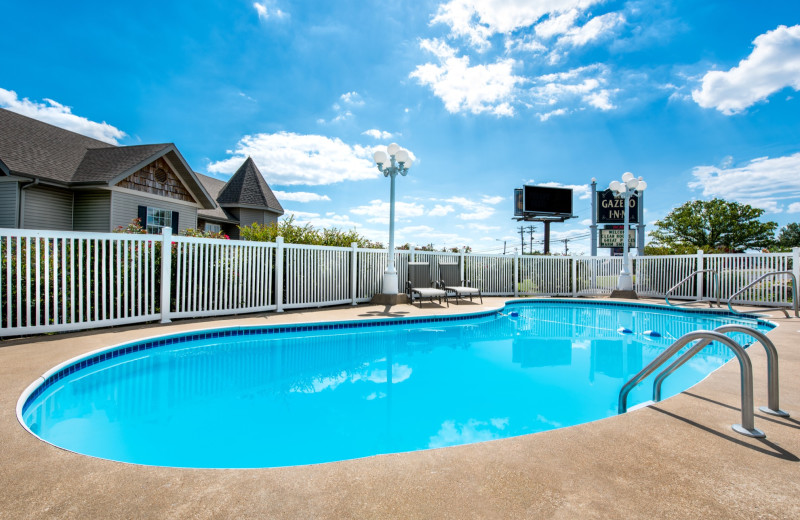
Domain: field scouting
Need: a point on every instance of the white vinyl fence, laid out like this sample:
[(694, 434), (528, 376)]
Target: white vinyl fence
[(53, 281)]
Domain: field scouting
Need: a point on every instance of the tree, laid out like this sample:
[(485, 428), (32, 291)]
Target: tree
[(789, 236), (715, 225), (296, 234)]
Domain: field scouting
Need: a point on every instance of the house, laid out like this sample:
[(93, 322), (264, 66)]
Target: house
[(51, 178)]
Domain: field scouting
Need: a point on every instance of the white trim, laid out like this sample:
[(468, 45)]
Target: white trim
[(13, 178), (156, 197)]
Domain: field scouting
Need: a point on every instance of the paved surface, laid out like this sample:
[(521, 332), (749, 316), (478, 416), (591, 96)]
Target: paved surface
[(677, 459)]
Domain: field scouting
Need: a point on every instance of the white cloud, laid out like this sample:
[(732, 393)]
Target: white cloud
[(378, 211), (597, 28), (378, 134), (794, 207), (266, 12), (472, 210), (300, 196), (557, 25), (352, 98), (286, 158), (762, 182), (440, 210), (497, 199), (56, 114), (464, 88), (583, 85), (773, 65), (478, 20)]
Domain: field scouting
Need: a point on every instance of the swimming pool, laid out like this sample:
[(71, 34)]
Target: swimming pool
[(302, 394)]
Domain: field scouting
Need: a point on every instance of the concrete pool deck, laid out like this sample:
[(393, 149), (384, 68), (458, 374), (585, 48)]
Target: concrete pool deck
[(676, 459)]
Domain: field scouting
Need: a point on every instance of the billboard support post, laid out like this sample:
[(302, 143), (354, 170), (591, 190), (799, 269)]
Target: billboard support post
[(594, 217)]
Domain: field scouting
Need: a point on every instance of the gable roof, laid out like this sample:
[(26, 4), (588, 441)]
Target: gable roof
[(31, 148), (247, 188)]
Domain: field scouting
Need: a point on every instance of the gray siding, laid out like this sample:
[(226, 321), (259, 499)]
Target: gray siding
[(47, 208), (92, 211), (248, 216), (8, 204), (125, 207)]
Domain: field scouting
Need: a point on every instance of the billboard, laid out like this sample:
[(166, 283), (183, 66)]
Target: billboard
[(518, 202), (610, 208), (541, 199)]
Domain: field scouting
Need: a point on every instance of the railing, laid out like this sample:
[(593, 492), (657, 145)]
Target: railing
[(699, 283), (747, 427), (52, 281), (773, 387), (762, 277)]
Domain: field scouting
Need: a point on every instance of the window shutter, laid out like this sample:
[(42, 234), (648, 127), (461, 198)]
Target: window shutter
[(175, 215), (143, 216)]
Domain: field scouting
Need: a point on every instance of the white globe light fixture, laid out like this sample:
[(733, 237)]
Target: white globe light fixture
[(391, 162), (629, 186)]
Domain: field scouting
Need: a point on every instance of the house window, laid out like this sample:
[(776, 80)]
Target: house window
[(158, 219), (213, 228)]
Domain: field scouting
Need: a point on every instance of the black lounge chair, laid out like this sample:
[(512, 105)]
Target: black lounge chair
[(420, 284), (450, 281)]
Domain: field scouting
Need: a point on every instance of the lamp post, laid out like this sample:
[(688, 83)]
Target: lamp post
[(391, 162), (629, 186)]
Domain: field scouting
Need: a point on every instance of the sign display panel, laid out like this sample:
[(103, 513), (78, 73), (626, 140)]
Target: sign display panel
[(612, 238), (518, 202), (541, 199), (610, 208)]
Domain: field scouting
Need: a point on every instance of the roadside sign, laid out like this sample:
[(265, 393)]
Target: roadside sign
[(613, 238)]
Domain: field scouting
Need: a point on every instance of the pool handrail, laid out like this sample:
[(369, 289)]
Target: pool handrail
[(747, 427), (773, 273), (773, 393), (694, 273)]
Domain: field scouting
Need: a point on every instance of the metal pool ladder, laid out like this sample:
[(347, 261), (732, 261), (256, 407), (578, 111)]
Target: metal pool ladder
[(774, 273), (747, 427), (695, 273)]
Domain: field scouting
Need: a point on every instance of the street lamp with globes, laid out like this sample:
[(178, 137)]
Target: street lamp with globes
[(391, 162), (629, 186)]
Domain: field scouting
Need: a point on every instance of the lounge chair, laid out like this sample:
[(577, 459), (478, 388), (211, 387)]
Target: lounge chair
[(450, 281), (420, 284)]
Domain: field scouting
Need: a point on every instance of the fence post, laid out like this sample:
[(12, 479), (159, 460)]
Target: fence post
[(413, 254), (796, 267), (700, 267), (516, 274), (354, 271), (461, 264), (166, 273), (279, 274), (574, 261)]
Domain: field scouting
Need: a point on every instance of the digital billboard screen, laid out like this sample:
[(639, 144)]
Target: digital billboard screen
[(541, 199)]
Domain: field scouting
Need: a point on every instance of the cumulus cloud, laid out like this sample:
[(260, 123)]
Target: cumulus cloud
[(300, 196), (266, 12), (764, 182), (466, 88), (286, 158), (56, 114), (583, 85), (377, 211), (352, 98), (478, 20), (440, 210), (472, 210), (773, 65), (378, 134)]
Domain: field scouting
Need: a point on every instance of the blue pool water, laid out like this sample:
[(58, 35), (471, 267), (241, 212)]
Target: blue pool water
[(287, 397)]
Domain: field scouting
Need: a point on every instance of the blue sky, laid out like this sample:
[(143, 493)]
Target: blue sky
[(698, 98)]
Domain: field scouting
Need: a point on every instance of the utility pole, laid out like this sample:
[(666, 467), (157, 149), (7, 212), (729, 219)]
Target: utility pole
[(566, 249), (522, 238), (531, 230)]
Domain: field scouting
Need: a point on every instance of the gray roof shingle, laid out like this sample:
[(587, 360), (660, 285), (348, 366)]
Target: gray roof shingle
[(104, 164), (214, 186), (35, 149), (247, 187)]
